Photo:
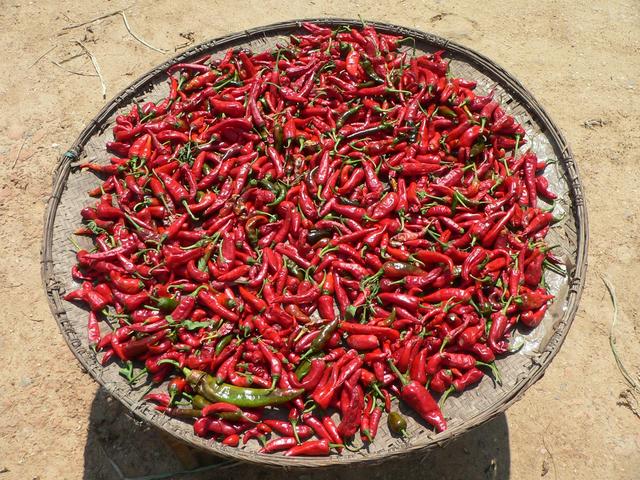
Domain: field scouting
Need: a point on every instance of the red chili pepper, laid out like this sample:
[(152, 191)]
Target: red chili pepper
[(363, 342), (490, 237), (354, 409), (470, 377), (542, 187), (410, 302), (471, 335), (418, 371), (310, 448), (427, 256), (93, 329), (448, 294), (498, 326), (286, 429), (385, 206), (419, 399), (538, 223), (482, 352), (532, 319), (533, 300), (135, 348), (358, 328), (232, 440), (211, 302)]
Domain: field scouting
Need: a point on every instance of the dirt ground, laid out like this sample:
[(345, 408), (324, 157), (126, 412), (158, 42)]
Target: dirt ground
[(580, 61)]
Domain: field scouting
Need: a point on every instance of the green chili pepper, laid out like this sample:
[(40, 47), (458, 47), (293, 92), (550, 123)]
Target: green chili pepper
[(391, 318), (362, 133), (185, 412), (280, 192), (232, 416), (397, 423), (224, 341), (446, 112), (321, 340), (348, 201), (205, 385), (167, 304), (345, 116), (368, 68), (477, 149), (295, 270), (303, 369), (251, 226), (198, 402)]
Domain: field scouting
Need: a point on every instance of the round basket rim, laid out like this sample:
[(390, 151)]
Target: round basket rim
[(508, 82)]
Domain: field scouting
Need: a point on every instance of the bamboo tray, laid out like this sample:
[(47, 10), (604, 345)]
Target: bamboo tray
[(519, 371)]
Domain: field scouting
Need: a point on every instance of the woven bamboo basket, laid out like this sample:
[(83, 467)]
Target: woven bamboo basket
[(519, 371)]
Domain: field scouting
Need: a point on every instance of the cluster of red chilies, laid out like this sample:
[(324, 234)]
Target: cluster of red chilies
[(325, 226)]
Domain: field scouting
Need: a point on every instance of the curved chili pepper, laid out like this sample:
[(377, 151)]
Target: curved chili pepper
[(532, 319), (363, 342), (242, 397), (419, 399), (286, 429)]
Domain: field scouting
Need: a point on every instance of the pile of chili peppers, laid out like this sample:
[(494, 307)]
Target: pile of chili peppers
[(323, 227)]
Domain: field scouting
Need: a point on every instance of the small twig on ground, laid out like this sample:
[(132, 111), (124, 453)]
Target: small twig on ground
[(73, 71), (126, 24), (612, 339), (553, 460), (101, 17), (189, 37), (594, 122), (96, 67), (43, 55), (24, 140), (628, 399), (72, 57)]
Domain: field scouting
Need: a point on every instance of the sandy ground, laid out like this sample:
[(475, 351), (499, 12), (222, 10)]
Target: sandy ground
[(581, 62)]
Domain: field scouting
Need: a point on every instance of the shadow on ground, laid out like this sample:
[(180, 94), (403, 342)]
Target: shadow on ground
[(119, 447)]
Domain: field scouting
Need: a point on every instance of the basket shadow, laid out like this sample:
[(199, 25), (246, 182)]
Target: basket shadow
[(119, 447)]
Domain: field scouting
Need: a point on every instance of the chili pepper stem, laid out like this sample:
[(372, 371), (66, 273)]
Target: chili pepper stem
[(186, 207), (169, 361), (351, 448), (274, 382), (294, 424), (445, 395), (515, 149), (142, 373), (75, 244), (395, 370), (494, 370)]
